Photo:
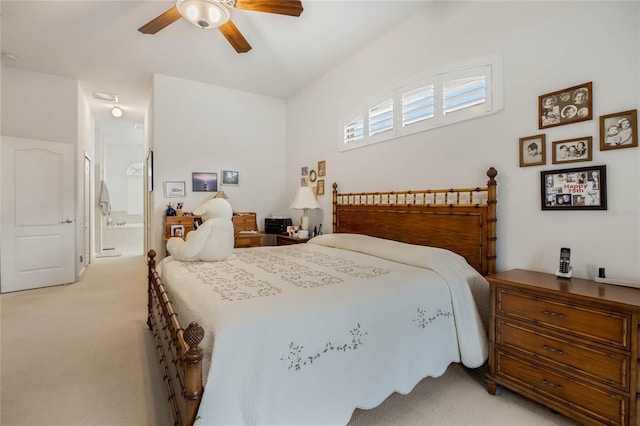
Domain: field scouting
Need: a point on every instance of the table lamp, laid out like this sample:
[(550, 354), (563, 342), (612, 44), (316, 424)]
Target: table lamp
[(305, 200)]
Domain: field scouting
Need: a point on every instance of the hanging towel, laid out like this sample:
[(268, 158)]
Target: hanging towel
[(105, 202)]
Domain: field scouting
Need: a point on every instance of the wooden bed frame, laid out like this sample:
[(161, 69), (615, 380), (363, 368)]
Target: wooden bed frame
[(462, 220)]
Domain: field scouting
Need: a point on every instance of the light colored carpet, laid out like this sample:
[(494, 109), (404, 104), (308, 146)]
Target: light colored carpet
[(81, 354)]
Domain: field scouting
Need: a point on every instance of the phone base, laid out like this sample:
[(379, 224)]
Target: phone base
[(567, 274)]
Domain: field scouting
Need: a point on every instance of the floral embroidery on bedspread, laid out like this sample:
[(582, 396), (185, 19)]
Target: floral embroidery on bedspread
[(231, 283), (296, 360), (422, 321)]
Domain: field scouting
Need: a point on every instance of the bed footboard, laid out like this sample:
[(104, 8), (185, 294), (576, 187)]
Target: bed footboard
[(178, 351)]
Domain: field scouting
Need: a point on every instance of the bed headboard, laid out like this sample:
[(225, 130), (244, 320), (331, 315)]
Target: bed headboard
[(462, 220)]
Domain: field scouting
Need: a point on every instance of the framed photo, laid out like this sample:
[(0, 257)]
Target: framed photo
[(230, 177), (320, 187), (174, 189), (566, 106), (619, 130), (582, 188), (303, 182), (304, 171), (571, 150), (177, 231), (532, 151), (312, 176), (322, 168), (150, 171), (204, 182)]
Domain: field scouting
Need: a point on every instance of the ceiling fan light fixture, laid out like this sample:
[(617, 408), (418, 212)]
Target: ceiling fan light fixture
[(204, 14)]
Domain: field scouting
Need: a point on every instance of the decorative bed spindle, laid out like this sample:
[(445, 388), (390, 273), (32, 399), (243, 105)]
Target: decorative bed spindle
[(178, 350)]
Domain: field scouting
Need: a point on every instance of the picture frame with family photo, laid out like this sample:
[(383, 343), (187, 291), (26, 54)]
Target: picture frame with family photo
[(566, 106), (580, 188), (572, 150), (532, 150), (619, 130)]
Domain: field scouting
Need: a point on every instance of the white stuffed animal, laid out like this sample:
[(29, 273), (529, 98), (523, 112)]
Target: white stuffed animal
[(213, 240)]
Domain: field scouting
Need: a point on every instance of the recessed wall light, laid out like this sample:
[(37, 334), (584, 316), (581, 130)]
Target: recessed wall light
[(116, 111)]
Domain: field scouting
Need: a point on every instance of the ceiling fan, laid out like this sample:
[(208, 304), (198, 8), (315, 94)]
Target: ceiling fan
[(208, 14)]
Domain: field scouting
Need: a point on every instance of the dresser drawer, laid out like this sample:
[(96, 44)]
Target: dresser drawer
[(597, 325), (180, 220), (244, 223), (597, 405), (603, 366)]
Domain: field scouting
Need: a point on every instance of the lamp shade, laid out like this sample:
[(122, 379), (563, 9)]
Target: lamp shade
[(221, 194), (203, 13), (305, 199)]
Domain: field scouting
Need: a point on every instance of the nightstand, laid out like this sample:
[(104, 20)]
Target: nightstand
[(285, 240), (569, 344)]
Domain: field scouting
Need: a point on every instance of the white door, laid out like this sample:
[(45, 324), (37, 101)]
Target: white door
[(38, 229)]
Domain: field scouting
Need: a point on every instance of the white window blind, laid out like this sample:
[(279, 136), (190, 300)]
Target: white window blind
[(452, 94), (381, 117), (354, 131), (417, 105), (463, 93)]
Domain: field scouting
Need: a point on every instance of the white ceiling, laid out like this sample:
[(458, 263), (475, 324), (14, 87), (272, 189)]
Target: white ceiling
[(97, 43)]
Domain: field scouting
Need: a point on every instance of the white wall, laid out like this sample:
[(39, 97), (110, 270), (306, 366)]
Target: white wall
[(203, 128), (39, 106), (545, 46), (48, 108)]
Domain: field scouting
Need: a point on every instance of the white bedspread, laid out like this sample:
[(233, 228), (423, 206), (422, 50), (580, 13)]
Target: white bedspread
[(304, 334)]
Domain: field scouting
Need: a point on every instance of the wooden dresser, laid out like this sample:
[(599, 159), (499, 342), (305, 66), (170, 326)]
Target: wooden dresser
[(245, 229), (570, 344), (185, 221)]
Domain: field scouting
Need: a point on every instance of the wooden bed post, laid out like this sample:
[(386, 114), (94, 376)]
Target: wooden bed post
[(492, 221), (151, 266), (334, 203), (193, 389)]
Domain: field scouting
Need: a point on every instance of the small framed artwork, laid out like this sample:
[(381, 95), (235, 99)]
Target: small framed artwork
[(204, 182), (566, 106), (150, 171), (619, 130), (312, 176), (322, 168), (532, 151), (571, 150), (320, 187), (174, 189), (582, 188), (177, 231), (230, 177), (304, 171), (303, 181)]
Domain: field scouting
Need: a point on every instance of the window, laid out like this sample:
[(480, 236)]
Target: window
[(456, 93)]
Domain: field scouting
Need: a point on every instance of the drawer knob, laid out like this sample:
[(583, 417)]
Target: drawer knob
[(553, 314), (555, 351), (553, 385)]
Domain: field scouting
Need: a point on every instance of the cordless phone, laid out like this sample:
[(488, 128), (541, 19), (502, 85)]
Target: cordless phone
[(565, 269)]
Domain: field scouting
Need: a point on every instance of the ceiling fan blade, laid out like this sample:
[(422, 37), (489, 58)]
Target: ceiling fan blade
[(235, 37), (155, 25), (282, 7)]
